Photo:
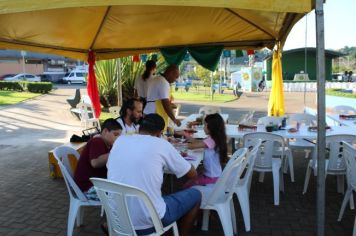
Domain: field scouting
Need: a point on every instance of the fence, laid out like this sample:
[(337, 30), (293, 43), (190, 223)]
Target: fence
[(311, 86)]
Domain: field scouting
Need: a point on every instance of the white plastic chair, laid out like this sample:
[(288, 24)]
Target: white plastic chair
[(268, 120), (77, 199), (350, 160), (344, 110), (265, 160), (307, 120), (207, 110), (246, 118), (115, 111), (218, 196), (87, 116), (114, 197), (335, 164), (243, 185), (177, 110), (274, 120)]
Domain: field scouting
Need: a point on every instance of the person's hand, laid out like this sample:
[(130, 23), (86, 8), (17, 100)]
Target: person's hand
[(177, 122)]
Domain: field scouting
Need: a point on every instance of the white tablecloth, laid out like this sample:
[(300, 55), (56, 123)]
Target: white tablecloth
[(232, 131), (344, 122)]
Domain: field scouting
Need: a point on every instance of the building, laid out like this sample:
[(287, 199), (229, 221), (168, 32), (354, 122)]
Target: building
[(293, 62), (15, 62)]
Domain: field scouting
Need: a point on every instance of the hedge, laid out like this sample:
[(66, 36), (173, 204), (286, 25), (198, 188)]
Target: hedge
[(340, 93), (33, 87)]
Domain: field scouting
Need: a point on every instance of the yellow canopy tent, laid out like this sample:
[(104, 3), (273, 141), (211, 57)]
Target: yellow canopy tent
[(117, 28)]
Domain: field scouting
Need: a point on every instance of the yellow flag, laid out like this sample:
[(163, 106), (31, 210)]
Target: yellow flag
[(276, 97)]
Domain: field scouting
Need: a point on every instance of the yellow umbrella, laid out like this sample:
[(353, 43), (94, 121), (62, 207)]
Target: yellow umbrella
[(276, 97)]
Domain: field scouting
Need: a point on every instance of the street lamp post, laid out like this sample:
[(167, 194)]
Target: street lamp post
[(23, 54)]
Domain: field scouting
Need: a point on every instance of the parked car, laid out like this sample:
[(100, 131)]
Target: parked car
[(75, 76), (24, 77), (6, 75), (45, 78)]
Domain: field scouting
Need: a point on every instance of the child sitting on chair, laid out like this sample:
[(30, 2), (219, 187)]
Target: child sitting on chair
[(215, 150), (92, 161)]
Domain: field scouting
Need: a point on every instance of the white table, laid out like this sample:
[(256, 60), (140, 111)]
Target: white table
[(193, 117), (336, 118), (233, 132)]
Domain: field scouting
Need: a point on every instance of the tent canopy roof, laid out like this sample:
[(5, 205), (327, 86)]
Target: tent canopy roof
[(116, 28)]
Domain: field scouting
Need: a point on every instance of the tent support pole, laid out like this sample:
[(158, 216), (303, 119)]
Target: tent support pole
[(119, 84), (320, 75)]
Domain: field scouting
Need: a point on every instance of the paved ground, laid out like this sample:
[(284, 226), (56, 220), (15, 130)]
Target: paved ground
[(33, 204)]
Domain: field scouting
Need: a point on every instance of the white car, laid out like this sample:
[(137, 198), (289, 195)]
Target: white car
[(24, 77), (75, 76)]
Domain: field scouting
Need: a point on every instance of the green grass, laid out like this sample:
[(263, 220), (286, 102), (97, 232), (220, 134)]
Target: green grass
[(12, 97), (201, 95), (339, 93)]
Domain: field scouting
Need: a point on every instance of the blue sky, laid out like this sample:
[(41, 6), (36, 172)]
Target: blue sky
[(340, 26)]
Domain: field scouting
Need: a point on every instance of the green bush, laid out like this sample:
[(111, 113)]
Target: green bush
[(34, 87), (340, 93), (9, 85)]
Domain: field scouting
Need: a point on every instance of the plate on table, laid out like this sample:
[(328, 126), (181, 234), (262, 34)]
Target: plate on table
[(190, 130), (190, 158)]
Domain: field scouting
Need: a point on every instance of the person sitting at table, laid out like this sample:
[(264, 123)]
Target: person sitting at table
[(130, 115), (215, 150), (93, 158), (140, 160)]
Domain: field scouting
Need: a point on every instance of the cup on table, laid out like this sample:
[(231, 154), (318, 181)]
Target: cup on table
[(269, 128)]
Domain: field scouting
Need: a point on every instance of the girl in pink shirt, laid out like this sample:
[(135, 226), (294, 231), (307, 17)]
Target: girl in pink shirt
[(215, 150)]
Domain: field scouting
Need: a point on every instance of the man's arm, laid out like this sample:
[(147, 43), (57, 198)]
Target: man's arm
[(194, 144), (100, 161), (168, 109), (192, 173)]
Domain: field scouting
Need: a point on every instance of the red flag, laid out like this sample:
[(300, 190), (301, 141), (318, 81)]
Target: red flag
[(92, 86), (136, 58), (250, 52)]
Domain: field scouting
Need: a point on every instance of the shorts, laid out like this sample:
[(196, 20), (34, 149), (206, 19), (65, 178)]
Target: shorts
[(177, 205), (91, 194)]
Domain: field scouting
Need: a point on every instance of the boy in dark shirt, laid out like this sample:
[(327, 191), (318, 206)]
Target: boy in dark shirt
[(92, 161)]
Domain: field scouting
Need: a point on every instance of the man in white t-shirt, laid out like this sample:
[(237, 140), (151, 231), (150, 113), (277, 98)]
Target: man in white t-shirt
[(140, 160), (130, 115), (158, 90)]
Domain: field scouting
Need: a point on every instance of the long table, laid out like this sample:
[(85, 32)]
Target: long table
[(336, 118), (232, 131), (193, 117)]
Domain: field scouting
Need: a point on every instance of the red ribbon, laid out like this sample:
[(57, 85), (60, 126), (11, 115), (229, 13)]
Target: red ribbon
[(92, 86)]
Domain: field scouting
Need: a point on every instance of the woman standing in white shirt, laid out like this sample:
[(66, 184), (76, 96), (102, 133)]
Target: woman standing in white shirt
[(141, 81)]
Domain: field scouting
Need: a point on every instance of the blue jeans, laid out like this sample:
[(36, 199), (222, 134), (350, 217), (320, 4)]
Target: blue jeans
[(177, 205)]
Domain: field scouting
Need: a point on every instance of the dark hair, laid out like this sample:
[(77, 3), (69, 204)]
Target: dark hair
[(110, 124), (170, 68), (152, 123), (128, 104), (150, 65), (216, 127)]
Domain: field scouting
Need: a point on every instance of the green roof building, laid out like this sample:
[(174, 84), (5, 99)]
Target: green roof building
[(293, 62)]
